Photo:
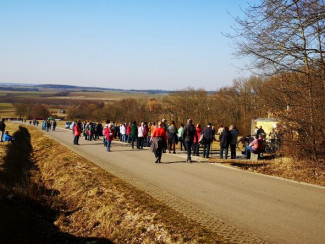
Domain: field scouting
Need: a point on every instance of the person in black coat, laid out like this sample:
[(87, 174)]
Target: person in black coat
[(2, 128), (224, 138), (188, 138), (207, 138)]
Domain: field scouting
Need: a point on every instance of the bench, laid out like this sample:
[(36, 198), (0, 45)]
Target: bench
[(255, 156)]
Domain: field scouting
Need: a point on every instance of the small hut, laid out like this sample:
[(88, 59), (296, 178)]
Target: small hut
[(267, 124)]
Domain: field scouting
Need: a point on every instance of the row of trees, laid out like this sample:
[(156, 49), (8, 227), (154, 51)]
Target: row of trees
[(31, 110), (281, 96)]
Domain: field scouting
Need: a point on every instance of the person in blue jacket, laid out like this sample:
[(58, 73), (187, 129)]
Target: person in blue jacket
[(8, 137)]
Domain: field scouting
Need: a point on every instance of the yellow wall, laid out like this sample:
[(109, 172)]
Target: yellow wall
[(266, 125)]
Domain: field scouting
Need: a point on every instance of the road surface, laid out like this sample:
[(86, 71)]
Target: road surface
[(239, 205)]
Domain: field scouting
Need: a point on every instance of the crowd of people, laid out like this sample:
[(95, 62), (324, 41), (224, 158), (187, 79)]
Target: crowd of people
[(161, 136), (46, 124)]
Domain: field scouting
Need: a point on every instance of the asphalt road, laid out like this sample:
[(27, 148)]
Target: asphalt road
[(272, 209)]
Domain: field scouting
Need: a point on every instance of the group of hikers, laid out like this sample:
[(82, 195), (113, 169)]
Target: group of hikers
[(46, 124), (160, 136)]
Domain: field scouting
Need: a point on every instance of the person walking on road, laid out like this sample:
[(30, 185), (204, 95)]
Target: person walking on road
[(188, 136), (172, 137), (77, 132), (180, 136), (224, 142), (140, 139), (104, 137), (44, 126), (109, 135), (196, 144), (158, 141), (54, 125), (48, 125), (133, 133), (72, 125), (207, 138), (123, 132), (233, 141), (128, 133)]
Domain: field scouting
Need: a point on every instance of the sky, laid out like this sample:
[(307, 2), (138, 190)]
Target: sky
[(126, 44)]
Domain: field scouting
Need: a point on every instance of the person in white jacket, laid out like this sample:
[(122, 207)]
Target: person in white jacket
[(140, 136), (123, 132)]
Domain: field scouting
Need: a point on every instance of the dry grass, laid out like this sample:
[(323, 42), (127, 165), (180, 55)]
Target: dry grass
[(302, 171), (91, 203), (108, 96)]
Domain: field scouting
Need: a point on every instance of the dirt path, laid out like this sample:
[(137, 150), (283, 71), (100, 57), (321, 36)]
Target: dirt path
[(233, 203)]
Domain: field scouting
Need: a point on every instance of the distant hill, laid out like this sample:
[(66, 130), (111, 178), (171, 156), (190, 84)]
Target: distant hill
[(8, 88), (33, 87), (57, 86)]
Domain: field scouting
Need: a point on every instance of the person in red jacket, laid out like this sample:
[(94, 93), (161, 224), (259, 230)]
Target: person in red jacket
[(196, 144), (255, 146), (109, 135), (158, 139), (128, 132), (77, 132)]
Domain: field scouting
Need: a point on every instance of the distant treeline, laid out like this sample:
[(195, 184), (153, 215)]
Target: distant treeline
[(18, 89), (284, 97)]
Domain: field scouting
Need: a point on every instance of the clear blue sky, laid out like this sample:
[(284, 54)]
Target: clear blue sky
[(138, 44)]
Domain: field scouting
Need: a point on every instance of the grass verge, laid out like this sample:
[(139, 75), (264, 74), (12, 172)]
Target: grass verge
[(69, 198), (302, 171)]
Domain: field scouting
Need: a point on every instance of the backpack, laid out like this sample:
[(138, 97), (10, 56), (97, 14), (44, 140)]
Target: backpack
[(172, 129)]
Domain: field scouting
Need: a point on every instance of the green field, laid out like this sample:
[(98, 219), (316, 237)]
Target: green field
[(7, 110), (109, 95), (27, 94), (51, 98), (4, 106), (88, 95)]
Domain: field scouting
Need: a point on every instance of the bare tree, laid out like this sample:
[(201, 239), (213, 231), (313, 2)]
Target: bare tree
[(188, 103), (286, 38)]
